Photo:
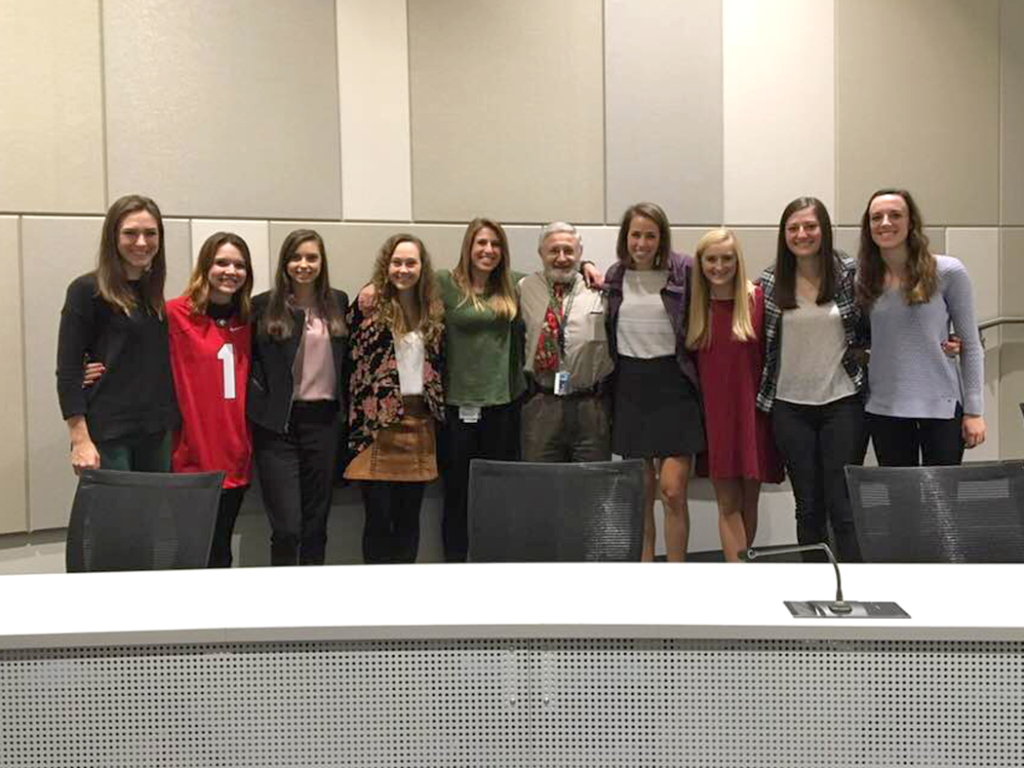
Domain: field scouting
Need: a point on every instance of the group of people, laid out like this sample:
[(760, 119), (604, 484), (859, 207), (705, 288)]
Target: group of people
[(670, 359)]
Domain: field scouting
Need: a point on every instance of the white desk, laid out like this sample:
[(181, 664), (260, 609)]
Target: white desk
[(552, 665)]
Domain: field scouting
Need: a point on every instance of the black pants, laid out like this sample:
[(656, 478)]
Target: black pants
[(391, 533), (227, 514), (817, 442), (296, 472), (495, 436), (912, 442)]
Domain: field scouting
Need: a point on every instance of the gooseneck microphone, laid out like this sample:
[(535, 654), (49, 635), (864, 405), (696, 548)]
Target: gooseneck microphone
[(840, 606)]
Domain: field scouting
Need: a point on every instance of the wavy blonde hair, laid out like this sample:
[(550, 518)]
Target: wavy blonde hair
[(502, 299), (698, 333)]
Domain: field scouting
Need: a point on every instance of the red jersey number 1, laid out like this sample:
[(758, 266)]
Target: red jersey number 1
[(226, 355)]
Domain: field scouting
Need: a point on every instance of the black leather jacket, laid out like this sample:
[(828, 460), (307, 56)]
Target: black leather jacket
[(270, 381)]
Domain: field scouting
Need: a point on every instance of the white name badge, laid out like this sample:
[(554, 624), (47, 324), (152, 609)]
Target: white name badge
[(469, 414), (562, 383)]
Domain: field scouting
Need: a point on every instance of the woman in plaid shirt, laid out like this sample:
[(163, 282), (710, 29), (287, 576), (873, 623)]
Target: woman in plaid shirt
[(813, 383)]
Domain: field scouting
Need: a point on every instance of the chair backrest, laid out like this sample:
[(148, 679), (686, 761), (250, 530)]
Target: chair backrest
[(536, 512), (140, 521), (961, 514)]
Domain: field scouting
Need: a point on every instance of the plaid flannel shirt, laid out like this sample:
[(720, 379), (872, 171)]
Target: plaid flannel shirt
[(853, 324)]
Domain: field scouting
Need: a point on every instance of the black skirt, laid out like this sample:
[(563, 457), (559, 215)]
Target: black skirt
[(657, 410)]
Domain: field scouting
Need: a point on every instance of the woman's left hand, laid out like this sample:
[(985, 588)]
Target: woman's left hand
[(973, 430), (952, 346), (592, 276)]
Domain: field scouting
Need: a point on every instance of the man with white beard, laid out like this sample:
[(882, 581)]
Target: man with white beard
[(567, 412)]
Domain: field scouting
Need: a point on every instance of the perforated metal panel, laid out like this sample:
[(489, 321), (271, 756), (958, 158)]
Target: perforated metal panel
[(516, 703)]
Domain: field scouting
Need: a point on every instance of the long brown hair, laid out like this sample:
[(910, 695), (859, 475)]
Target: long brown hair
[(698, 329), (922, 276), (429, 304), (653, 212), (785, 260), (277, 321), (111, 279), (502, 299), (198, 291)]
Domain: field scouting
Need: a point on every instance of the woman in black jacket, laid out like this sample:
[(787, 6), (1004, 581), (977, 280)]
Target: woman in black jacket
[(296, 393)]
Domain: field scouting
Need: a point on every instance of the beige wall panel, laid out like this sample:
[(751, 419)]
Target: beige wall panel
[(978, 249), (13, 509), (178, 246), (46, 278), (507, 110), (778, 95), (1011, 266), (925, 115), (352, 248), (663, 107), (848, 239), (226, 109), (256, 235), (1011, 80), (1011, 393), (759, 248), (376, 172), (51, 135)]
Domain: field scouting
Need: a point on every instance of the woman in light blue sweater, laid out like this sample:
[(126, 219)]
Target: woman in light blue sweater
[(923, 407)]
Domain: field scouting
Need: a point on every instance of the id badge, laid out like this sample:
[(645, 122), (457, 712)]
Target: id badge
[(562, 383), (469, 414)]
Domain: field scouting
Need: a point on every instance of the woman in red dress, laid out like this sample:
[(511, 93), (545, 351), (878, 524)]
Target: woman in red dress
[(725, 324)]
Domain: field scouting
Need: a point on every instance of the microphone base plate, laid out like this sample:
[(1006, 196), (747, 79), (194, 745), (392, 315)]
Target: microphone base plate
[(859, 609)]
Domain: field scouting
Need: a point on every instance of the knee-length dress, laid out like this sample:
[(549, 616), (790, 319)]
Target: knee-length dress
[(739, 436)]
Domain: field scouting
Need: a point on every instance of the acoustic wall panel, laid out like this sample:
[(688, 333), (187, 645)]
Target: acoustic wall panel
[(978, 249), (13, 510), (51, 136), (352, 248), (226, 109), (507, 110), (373, 79), (1011, 266), (663, 107), (918, 106), (778, 95), (45, 279), (759, 248), (1011, 103), (256, 236)]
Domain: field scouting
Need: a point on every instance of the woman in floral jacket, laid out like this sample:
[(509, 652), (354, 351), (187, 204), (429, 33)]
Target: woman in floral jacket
[(395, 396)]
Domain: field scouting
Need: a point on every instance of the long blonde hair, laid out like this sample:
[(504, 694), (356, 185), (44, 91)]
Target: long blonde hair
[(502, 299), (698, 332)]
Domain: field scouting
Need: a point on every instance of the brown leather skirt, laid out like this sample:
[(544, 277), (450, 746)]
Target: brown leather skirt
[(404, 452)]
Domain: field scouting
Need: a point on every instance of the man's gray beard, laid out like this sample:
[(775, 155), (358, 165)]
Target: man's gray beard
[(561, 276)]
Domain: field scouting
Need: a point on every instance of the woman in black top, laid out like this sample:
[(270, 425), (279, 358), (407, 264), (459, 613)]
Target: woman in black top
[(116, 314), (296, 394)]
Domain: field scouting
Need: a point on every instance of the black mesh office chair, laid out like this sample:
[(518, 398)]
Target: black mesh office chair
[(140, 521), (526, 512), (968, 514)]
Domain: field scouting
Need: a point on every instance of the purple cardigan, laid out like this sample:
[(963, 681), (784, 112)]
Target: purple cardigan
[(676, 298)]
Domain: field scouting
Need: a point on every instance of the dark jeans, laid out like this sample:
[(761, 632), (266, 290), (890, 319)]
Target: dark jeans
[(903, 442), (227, 514), (391, 533), (556, 428), (137, 453), (817, 442), (495, 436), (296, 471)]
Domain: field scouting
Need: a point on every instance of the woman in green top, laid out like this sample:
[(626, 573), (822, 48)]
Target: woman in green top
[(483, 370)]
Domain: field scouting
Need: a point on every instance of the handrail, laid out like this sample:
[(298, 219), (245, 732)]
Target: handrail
[(985, 325)]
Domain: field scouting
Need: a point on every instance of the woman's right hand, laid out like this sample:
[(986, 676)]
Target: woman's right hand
[(367, 298), (92, 374), (84, 456)]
